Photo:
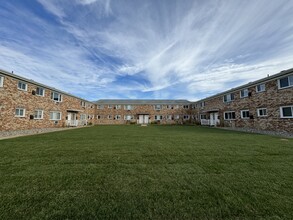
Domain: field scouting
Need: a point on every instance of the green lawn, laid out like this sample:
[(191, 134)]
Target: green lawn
[(154, 172)]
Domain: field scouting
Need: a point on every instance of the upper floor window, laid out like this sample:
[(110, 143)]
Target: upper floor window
[(228, 97), (55, 115), (158, 107), (202, 104), (245, 114), (110, 106), (286, 82), (229, 115), (20, 112), (82, 103), (261, 88), (40, 91), (38, 114), (244, 93), (186, 106), (286, 111), (128, 107), (100, 106), (56, 96), (1, 81), (22, 86), (117, 107), (261, 112)]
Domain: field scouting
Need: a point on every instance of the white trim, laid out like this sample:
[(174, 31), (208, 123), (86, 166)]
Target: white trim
[(245, 95), (258, 112), (59, 96), (260, 90), (229, 119), (52, 119), (281, 111), (20, 116), (241, 115), (1, 81), (290, 85), (42, 114), (43, 89), (22, 88)]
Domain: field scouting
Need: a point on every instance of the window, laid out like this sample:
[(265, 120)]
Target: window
[(117, 117), (55, 115), (169, 117), (176, 117), (186, 117), (202, 104), (169, 106), (22, 86), (1, 81), (244, 93), (99, 117), (186, 106), (109, 117), (261, 112), (110, 106), (82, 103), (40, 91), (128, 107), (128, 117), (176, 106), (286, 111), (19, 112), (158, 107), (228, 97), (83, 117), (245, 114), (38, 114), (117, 107), (229, 115), (261, 88), (158, 117), (100, 107), (286, 82), (57, 97), (203, 117)]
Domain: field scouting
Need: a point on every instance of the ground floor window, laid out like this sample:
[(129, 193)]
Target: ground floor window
[(245, 114), (38, 114), (186, 117), (109, 117), (83, 117), (169, 117), (128, 117), (117, 117), (286, 111), (261, 112), (203, 117), (158, 117), (229, 115), (55, 115), (19, 112)]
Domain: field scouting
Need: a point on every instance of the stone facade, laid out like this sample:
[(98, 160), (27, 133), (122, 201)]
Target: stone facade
[(13, 98), (272, 99)]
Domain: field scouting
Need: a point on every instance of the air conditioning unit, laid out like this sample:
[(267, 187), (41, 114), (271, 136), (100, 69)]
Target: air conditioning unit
[(34, 92), (31, 117)]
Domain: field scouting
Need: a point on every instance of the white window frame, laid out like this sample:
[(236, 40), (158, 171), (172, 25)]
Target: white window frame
[(100, 106), (117, 107), (59, 96), (290, 82), (55, 114), (82, 117), (169, 117), (261, 109), (186, 106), (281, 111), (260, 86), (176, 117), (128, 117), (186, 117), (1, 81), (203, 116), (109, 117), (110, 106), (156, 107), (39, 90), (37, 113), (229, 119), (228, 98), (245, 93), (82, 103), (18, 115), (202, 104), (241, 114), (21, 83), (158, 117), (117, 117), (128, 107)]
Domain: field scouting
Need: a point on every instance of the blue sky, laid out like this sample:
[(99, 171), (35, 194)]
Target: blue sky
[(165, 49)]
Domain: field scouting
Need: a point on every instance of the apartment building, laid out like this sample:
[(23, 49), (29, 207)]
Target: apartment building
[(143, 111), (26, 104), (266, 104)]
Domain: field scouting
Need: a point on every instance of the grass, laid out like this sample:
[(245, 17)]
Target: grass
[(154, 172)]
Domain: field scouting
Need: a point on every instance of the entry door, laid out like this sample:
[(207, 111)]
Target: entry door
[(146, 119), (212, 119), (140, 119)]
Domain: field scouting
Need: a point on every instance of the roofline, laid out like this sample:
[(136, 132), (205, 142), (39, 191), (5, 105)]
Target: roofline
[(145, 101), (4, 72), (254, 83)]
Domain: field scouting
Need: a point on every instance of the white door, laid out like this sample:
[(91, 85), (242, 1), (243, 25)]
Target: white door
[(140, 119), (146, 119), (214, 119)]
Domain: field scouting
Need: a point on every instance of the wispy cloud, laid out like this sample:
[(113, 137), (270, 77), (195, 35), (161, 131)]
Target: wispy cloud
[(146, 49)]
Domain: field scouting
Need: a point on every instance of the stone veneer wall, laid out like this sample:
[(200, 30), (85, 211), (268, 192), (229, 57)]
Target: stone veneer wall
[(272, 99), (142, 109), (11, 98)]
